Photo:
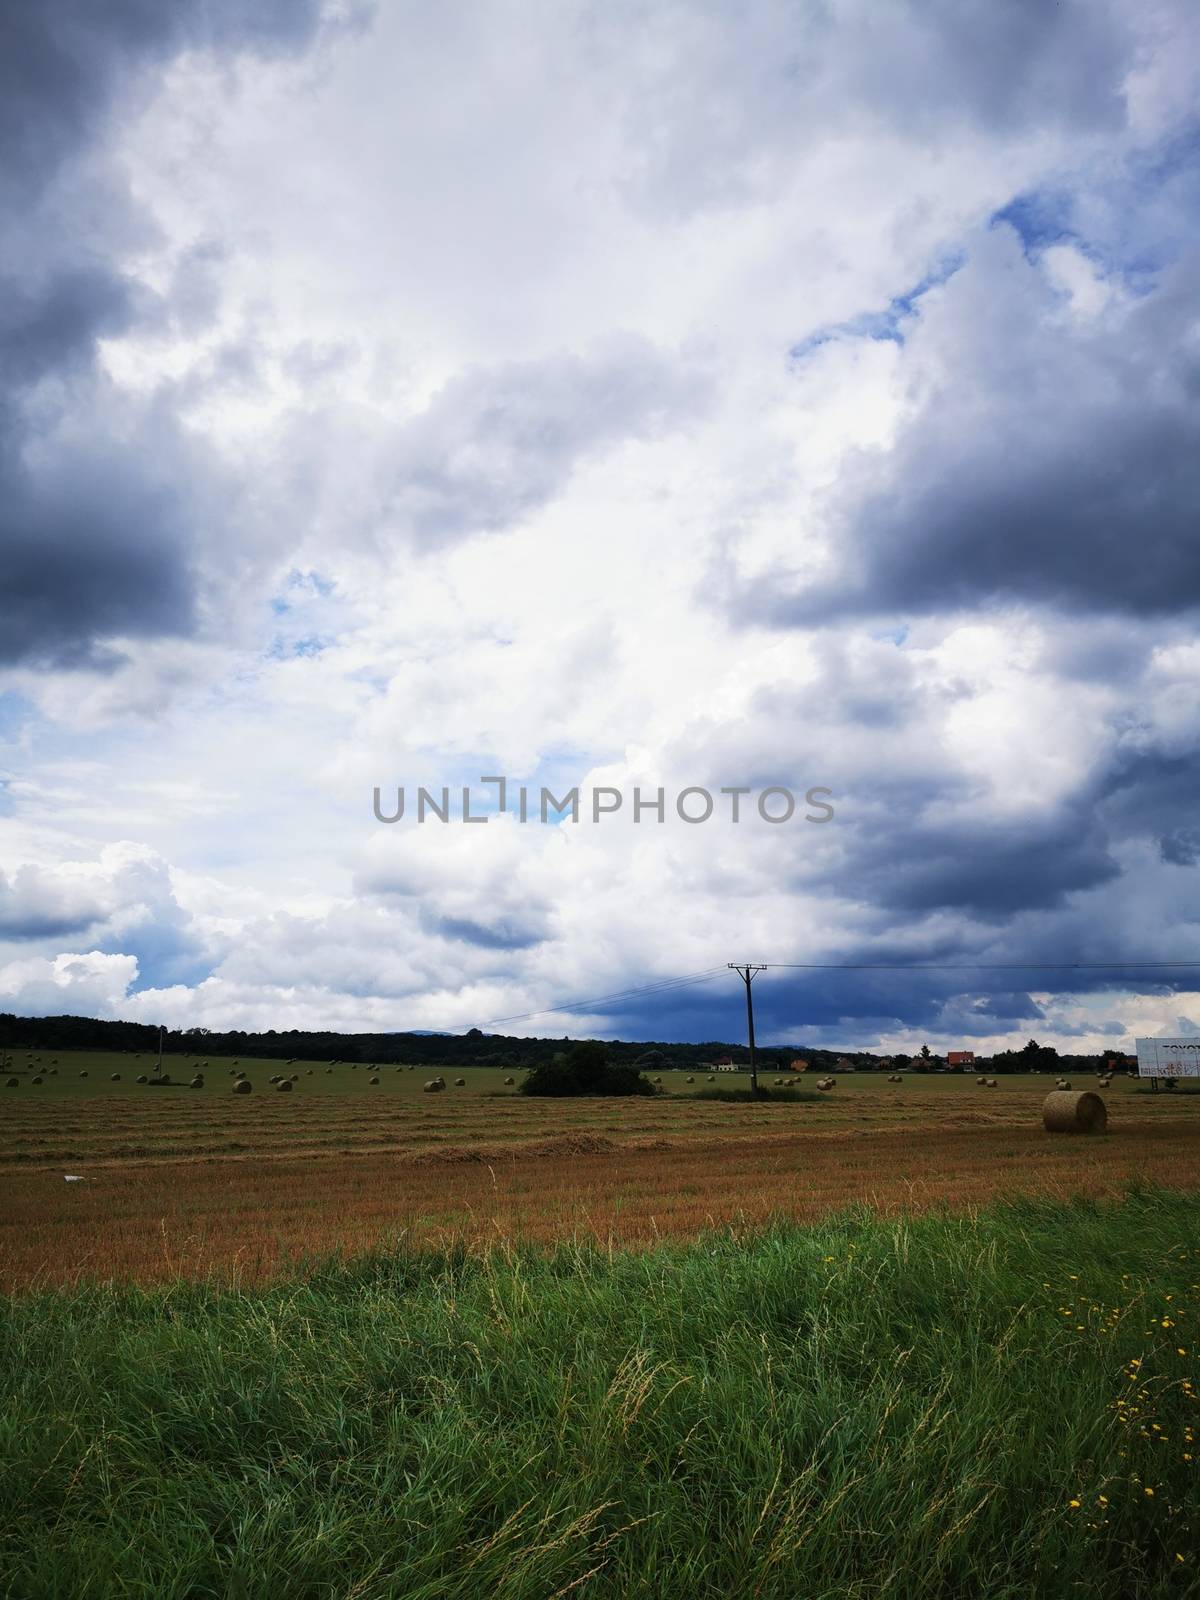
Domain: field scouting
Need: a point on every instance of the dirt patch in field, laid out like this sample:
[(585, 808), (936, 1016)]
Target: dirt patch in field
[(248, 1220), (564, 1144)]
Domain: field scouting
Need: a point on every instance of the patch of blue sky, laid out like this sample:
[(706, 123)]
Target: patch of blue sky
[(299, 587), (282, 649), (1132, 223), (887, 324), (558, 771), (15, 712)]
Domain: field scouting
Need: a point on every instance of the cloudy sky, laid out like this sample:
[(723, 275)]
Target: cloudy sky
[(605, 393)]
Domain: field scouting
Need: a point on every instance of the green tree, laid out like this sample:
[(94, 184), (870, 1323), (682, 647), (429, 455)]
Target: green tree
[(585, 1069)]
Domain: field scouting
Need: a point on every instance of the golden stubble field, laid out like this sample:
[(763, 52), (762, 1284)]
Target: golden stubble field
[(179, 1181)]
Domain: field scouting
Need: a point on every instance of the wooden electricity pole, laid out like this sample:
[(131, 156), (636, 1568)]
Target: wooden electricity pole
[(746, 973)]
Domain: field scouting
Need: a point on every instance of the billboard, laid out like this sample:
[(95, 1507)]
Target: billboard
[(1169, 1058)]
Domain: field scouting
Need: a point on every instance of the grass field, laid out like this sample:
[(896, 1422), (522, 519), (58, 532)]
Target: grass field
[(181, 1181), (359, 1340), (999, 1404)]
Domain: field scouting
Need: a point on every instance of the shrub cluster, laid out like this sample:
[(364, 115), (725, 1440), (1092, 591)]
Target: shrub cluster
[(585, 1069)]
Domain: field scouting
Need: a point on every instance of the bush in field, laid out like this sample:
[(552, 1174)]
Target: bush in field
[(585, 1069)]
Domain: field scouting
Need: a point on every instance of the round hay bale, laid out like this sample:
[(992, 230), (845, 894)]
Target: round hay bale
[(141, 1078), (823, 1084), (308, 1074), (460, 1083), (295, 1077), (432, 1086), (116, 1078), (408, 1068), (328, 1070), (991, 1083), (13, 1083), (658, 1080), (284, 1086), (83, 1074), (197, 1082), (372, 1080), (38, 1080), (508, 1082), (1063, 1083), (242, 1086), (689, 1080), (981, 1082), (1081, 1111), (710, 1079)]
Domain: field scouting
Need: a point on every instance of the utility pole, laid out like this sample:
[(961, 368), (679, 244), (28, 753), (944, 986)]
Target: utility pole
[(746, 974)]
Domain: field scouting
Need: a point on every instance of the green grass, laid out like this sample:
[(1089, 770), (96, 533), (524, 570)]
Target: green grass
[(861, 1408)]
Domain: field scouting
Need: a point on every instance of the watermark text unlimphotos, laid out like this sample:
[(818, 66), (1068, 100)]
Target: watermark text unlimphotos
[(694, 804)]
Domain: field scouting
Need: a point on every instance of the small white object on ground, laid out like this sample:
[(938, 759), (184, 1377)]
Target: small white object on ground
[(72, 1177)]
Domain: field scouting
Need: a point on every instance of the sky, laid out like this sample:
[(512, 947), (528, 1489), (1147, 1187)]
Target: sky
[(803, 394)]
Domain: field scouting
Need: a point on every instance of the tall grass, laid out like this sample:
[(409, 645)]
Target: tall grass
[(945, 1406)]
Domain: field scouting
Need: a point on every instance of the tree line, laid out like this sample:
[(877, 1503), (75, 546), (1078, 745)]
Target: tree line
[(476, 1048)]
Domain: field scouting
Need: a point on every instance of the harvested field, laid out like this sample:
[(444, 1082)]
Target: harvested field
[(192, 1181)]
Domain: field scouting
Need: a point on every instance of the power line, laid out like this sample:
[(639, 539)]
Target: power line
[(979, 966)]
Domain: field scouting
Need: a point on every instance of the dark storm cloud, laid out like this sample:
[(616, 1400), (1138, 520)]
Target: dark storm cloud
[(101, 506), (94, 543), (1053, 460), (51, 329), (65, 64), (1019, 65), (35, 904), (510, 933), (717, 101), (990, 870), (496, 444), (1151, 794), (799, 1007)]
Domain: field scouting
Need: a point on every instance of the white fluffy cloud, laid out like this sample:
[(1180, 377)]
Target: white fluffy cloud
[(594, 394)]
